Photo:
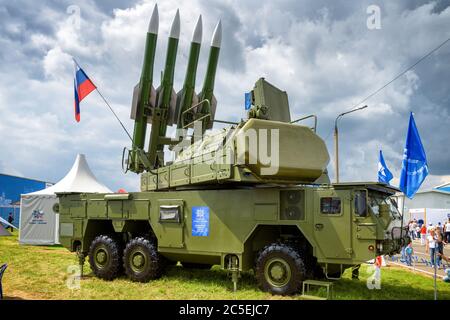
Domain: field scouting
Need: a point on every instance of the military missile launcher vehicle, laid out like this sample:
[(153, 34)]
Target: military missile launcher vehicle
[(253, 195)]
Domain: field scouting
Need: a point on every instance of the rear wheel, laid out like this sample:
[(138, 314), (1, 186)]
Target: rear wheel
[(280, 269), (105, 257), (141, 260), (189, 265)]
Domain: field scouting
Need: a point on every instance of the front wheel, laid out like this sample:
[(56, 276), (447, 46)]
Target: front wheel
[(280, 269), (141, 260)]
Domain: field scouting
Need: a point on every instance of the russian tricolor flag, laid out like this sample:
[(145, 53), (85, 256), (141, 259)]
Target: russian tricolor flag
[(83, 86)]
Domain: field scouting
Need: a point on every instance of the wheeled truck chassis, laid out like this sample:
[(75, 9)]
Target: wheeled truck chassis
[(286, 235)]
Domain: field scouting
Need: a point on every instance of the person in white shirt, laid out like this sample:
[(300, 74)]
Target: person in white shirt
[(412, 230), (431, 247)]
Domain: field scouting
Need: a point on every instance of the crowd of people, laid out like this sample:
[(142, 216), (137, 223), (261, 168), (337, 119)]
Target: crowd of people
[(433, 237)]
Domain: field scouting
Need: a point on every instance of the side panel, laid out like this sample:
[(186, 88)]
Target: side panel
[(231, 217), (333, 227), (115, 209), (72, 213), (97, 208), (137, 209), (170, 219)]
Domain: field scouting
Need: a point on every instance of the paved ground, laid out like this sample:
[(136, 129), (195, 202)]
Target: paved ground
[(421, 260)]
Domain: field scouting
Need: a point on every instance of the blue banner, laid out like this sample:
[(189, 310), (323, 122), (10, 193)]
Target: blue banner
[(414, 165), (248, 100), (384, 175)]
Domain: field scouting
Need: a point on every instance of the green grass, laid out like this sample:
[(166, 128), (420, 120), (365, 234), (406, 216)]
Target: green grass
[(41, 273)]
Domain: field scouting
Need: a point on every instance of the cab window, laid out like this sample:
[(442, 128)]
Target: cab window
[(330, 205), (361, 203)]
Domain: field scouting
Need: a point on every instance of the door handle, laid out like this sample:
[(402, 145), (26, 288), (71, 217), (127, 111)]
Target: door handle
[(318, 226)]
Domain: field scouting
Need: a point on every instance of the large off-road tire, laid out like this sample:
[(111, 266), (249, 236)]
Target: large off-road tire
[(280, 269), (105, 257), (201, 266), (141, 260)]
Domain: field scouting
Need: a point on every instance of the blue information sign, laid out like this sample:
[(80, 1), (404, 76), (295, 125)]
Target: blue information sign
[(200, 221)]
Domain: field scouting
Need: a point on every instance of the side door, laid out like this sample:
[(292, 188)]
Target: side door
[(332, 223)]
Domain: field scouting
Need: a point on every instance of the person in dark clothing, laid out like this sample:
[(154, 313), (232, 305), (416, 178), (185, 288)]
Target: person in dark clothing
[(11, 220)]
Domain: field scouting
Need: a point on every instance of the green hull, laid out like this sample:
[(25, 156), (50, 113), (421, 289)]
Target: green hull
[(242, 225)]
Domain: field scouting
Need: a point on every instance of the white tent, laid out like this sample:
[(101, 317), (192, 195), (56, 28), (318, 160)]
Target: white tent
[(39, 224)]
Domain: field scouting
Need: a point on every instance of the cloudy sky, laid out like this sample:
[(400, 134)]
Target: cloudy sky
[(321, 52)]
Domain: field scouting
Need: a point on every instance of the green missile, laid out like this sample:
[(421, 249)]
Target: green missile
[(165, 97), (207, 92), (142, 92), (187, 94)]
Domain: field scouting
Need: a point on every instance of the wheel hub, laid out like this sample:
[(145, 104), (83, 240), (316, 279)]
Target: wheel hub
[(101, 257), (277, 272), (138, 260)]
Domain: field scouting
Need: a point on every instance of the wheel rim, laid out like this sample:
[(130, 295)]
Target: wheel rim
[(277, 272), (138, 260), (101, 257)]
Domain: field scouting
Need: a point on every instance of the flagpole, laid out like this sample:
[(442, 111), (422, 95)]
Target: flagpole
[(414, 163), (403, 215), (126, 131), (109, 106)]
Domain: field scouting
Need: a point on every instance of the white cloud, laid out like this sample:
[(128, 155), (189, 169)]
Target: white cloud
[(56, 63)]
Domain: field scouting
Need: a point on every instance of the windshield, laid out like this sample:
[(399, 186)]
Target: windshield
[(376, 199), (394, 207)]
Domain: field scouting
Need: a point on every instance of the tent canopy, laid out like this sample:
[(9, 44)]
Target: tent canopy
[(39, 223), (79, 179)]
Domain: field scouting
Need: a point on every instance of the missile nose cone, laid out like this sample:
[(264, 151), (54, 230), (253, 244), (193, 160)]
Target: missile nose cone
[(217, 35), (175, 29), (154, 21), (197, 35)]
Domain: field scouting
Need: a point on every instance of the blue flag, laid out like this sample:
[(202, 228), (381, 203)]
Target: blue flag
[(414, 165), (384, 175), (248, 100)]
